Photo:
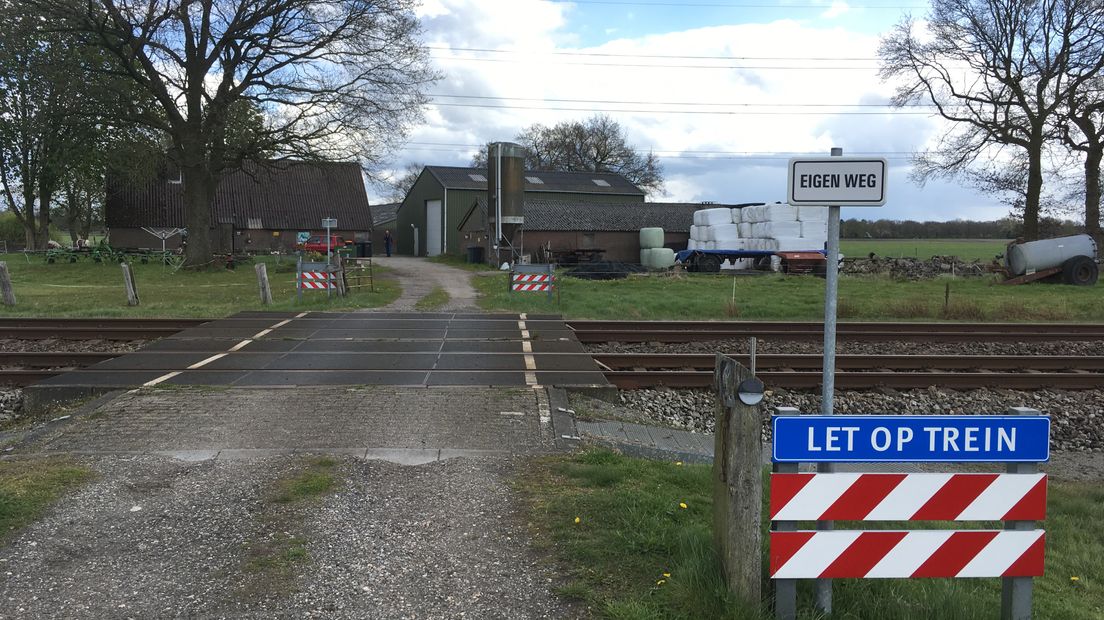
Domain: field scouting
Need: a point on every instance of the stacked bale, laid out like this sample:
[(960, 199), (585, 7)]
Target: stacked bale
[(652, 253), (765, 227)]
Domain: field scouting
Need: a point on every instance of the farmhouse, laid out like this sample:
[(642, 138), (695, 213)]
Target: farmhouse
[(259, 208), (428, 221), (556, 227)]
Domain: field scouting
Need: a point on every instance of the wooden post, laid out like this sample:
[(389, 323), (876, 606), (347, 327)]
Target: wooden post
[(262, 283), (338, 275), (737, 484), (131, 289), (5, 285)]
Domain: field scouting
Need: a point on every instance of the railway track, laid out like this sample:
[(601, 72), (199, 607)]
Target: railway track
[(691, 331), (93, 329), (677, 370)]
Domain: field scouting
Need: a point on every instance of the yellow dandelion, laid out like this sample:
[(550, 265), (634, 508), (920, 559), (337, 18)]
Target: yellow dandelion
[(661, 582), (678, 463), (578, 520), (683, 505), (1075, 579), (666, 575)]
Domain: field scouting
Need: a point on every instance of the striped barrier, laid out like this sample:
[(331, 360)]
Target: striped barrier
[(532, 282), (316, 280), (906, 554), (908, 497)]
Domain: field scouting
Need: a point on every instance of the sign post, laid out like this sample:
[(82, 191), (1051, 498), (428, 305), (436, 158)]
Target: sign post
[(329, 223), (831, 182)]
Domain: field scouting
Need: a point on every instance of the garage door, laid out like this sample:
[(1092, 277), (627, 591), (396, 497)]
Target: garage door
[(433, 227)]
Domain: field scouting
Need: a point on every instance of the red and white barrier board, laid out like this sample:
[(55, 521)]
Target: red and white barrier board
[(315, 280), (908, 497), (906, 554), (535, 282)]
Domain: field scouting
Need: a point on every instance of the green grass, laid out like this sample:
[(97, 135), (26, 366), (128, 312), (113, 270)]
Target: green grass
[(966, 249), (435, 299), (777, 297), (94, 289), (631, 531), (314, 480), (29, 488)]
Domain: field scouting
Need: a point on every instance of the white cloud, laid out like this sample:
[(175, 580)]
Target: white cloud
[(836, 9), (532, 29)]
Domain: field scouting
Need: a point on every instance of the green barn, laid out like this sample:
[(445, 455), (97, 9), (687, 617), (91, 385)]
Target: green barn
[(428, 221)]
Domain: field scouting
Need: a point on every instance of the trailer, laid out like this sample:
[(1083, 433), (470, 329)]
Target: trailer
[(709, 261), (1072, 260)]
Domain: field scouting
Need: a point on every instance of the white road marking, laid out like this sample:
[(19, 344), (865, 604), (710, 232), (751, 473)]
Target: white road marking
[(202, 363), (530, 362), (261, 334), (160, 379), (241, 344), (526, 346)]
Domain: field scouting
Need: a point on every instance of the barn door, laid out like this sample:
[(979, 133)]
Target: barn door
[(433, 227)]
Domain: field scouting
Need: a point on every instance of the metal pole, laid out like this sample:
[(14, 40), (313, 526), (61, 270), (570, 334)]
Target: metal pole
[(1016, 592), (823, 594), (751, 350), (329, 258)]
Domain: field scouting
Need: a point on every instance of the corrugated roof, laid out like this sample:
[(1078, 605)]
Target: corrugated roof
[(575, 182), (385, 212), (278, 196), (564, 215)]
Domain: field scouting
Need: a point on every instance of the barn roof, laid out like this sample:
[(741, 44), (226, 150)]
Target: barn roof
[(282, 195), (384, 213), (565, 215), (538, 181)]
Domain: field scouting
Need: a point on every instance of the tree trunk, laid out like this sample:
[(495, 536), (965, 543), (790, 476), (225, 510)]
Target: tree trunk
[(44, 200), (1092, 192), (199, 194), (1034, 189)]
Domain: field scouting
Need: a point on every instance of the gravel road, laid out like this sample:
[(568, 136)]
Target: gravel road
[(152, 537)]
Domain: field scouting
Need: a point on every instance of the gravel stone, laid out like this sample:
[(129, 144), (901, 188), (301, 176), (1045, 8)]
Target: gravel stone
[(58, 345), (156, 538), (849, 347)]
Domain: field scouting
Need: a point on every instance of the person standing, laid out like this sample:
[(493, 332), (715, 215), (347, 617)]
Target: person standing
[(387, 242)]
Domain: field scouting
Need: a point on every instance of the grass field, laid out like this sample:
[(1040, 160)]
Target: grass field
[(29, 488), (85, 288), (966, 249), (707, 297), (635, 553)]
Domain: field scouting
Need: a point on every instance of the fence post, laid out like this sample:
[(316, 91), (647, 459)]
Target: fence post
[(262, 283), (128, 281), (5, 285), (785, 590), (738, 483), (1016, 592)]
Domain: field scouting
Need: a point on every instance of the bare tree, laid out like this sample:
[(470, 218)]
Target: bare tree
[(597, 144), (998, 71), (399, 185), (332, 79), (1082, 130)]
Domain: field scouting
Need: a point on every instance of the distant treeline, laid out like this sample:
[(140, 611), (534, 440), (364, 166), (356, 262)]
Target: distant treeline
[(1006, 228)]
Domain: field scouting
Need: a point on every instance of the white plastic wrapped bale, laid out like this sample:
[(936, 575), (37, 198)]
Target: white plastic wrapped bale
[(752, 214), (662, 258), (692, 244), (694, 234), (710, 245), (814, 229), (796, 244), (737, 216), (712, 217), (767, 230), (698, 218), (651, 238), (768, 244), (745, 229), (779, 213), (812, 214), (731, 243), (646, 257), (724, 232)]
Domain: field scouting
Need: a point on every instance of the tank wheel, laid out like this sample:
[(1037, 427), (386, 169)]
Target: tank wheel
[(763, 263), (709, 263), (1080, 271)]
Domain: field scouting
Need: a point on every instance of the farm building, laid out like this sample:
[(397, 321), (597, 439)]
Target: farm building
[(383, 218), (428, 221), (258, 208), (567, 228)]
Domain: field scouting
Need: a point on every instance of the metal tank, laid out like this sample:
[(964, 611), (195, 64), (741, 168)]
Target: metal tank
[(1047, 253), (506, 195)]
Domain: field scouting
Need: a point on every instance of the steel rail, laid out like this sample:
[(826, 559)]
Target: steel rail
[(588, 336), (848, 380), (853, 326), (706, 361)]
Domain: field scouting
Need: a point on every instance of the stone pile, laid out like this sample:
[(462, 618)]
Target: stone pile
[(909, 268)]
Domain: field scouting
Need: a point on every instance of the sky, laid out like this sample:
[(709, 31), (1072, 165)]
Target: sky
[(723, 91)]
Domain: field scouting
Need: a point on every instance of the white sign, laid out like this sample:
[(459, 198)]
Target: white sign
[(837, 181), (329, 223)]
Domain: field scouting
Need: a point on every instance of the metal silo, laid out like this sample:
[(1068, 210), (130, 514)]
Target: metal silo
[(506, 192)]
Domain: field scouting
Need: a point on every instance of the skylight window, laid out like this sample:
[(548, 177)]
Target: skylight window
[(601, 182), (478, 177), (535, 180)]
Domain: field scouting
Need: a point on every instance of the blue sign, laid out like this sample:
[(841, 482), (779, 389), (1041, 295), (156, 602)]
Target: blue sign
[(910, 438)]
